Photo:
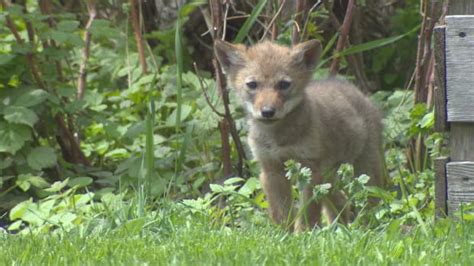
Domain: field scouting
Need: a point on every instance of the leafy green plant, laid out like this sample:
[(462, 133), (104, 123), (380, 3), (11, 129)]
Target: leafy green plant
[(153, 135), (236, 201)]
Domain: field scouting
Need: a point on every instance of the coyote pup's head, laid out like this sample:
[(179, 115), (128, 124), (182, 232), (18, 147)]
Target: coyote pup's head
[(269, 78)]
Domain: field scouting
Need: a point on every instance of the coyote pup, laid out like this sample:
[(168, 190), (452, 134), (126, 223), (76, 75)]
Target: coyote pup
[(319, 124)]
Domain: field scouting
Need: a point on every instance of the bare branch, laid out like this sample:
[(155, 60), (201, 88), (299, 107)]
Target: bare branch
[(295, 37), (307, 17), (355, 62), (227, 125), (45, 7), (272, 24), (135, 19), (81, 81), (346, 25), (204, 91), (29, 56)]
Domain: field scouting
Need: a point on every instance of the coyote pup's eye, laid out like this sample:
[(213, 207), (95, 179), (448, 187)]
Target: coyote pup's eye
[(284, 84), (252, 85)]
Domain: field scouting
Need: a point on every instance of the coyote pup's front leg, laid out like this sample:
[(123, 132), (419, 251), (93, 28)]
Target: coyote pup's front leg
[(277, 188), (309, 211)]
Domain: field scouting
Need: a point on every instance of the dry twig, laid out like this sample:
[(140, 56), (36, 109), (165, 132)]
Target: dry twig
[(272, 24), (341, 42), (204, 91), (227, 124), (135, 19), (355, 61), (295, 36), (81, 82)]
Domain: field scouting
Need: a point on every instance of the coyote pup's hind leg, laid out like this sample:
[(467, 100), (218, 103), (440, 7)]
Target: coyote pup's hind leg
[(371, 162)]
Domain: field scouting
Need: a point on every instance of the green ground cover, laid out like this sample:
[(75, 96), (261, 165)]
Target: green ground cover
[(184, 241)]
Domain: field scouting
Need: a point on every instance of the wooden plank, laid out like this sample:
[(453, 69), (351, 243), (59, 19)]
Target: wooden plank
[(461, 7), (460, 181), (462, 142), (461, 133), (459, 67), (441, 124), (440, 186)]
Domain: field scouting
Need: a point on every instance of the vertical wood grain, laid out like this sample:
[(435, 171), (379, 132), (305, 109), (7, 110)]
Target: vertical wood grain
[(459, 68), (440, 79), (461, 7), (440, 186), (460, 172), (460, 184)]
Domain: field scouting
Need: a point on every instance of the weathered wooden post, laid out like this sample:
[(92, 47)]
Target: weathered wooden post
[(454, 106)]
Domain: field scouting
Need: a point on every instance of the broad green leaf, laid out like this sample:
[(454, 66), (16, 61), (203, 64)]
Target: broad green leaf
[(233, 180), (249, 187), (57, 186), (216, 188), (6, 58), (23, 184), (67, 38), (15, 226), (59, 36), (136, 130), (119, 153), (101, 28), (41, 157), (80, 181), (67, 219), (82, 199), (6, 163), (244, 30), (75, 106), (31, 98), (67, 25), (185, 112), (20, 115), (133, 226), (13, 137), (36, 181), (427, 121), (18, 211)]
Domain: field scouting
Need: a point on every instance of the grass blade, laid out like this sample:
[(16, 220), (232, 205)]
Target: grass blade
[(149, 146), (184, 146), (244, 30), (179, 71), (370, 45), (375, 44)]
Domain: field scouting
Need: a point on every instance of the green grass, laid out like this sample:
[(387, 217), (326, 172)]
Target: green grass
[(189, 240)]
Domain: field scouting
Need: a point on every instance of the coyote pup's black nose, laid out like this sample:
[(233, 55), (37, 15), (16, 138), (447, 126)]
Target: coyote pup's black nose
[(268, 112)]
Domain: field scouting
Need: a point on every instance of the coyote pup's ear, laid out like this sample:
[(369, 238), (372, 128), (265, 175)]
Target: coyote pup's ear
[(307, 53), (229, 55)]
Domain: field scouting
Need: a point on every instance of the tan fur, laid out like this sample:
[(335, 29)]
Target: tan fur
[(268, 98), (320, 124)]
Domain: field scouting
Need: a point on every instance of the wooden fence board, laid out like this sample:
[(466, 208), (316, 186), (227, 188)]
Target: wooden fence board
[(440, 186), (460, 68), (440, 79), (460, 181)]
